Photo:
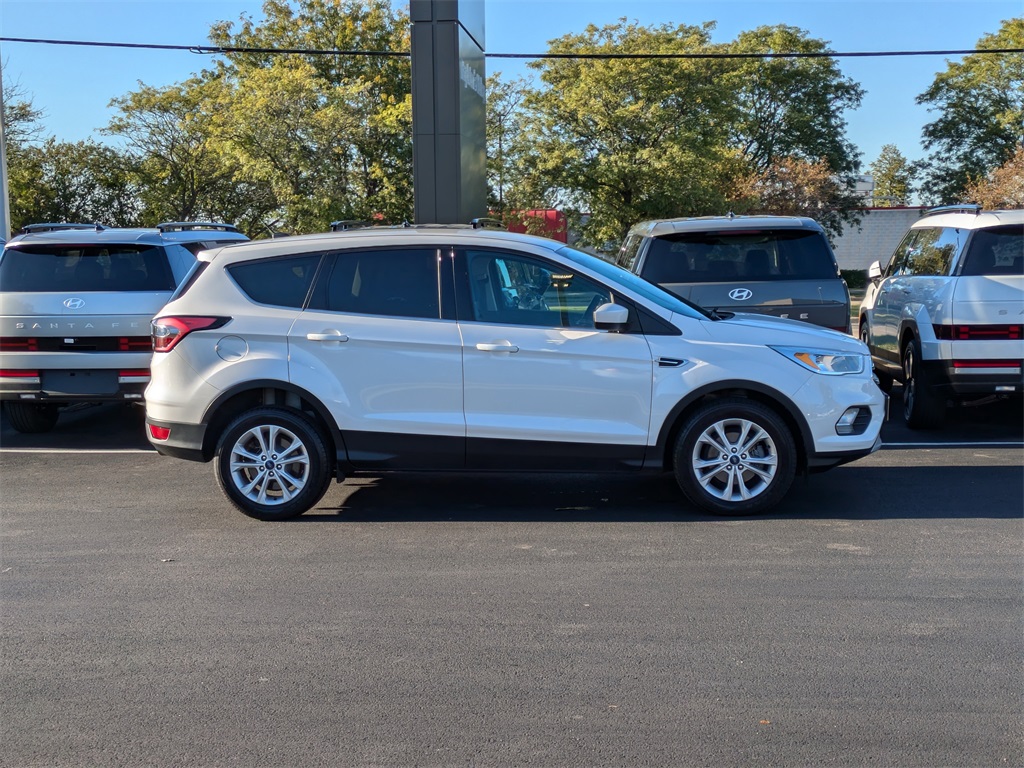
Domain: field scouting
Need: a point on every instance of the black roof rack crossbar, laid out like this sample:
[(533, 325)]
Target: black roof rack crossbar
[(57, 226), (957, 208), (182, 226)]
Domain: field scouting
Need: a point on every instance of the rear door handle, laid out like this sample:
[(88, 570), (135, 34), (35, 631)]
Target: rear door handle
[(498, 346), (331, 335)]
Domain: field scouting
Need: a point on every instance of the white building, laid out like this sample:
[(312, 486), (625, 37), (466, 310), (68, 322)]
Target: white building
[(879, 232)]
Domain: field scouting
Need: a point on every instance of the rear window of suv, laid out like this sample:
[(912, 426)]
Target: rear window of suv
[(995, 251), (79, 269), (716, 257)]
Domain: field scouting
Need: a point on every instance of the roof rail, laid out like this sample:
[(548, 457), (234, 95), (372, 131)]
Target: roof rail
[(183, 226), (54, 227), (957, 208), (346, 224), (486, 222)]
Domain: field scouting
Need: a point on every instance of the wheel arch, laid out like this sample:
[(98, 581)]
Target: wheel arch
[(760, 393), (270, 392)]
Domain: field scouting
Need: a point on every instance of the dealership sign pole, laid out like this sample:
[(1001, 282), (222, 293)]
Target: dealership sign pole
[(449, 153)]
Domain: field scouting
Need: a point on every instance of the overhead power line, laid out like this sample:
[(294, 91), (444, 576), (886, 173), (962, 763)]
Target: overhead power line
[(214, 50)]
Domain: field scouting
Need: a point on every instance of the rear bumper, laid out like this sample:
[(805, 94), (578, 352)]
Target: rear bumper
[(1005, 378), (184, 441), (66, 386)]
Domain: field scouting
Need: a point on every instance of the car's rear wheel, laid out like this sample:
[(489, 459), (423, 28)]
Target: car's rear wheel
[(272, 464), (31, 418), (735, 456), (922, 407), (885, 380)]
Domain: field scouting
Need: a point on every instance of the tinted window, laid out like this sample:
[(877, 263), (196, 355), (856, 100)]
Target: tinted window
[(114, 268), (518, 290), (396, 283), (995, 251), (899, 257), (717, 257), (278, 282)]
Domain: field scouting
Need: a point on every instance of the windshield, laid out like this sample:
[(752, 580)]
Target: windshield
[(81, 268), (717, 257), (618, 275), (996, 251)]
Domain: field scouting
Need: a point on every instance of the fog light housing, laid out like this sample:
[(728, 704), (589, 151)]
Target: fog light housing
[(854, 421)]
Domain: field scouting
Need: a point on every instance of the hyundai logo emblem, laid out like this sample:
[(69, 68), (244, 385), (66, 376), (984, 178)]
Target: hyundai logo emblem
[(74, 303), (740, 294)]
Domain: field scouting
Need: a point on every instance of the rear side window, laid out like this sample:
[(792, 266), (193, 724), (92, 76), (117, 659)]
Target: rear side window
[(84, 268), (394, 283), (278, 282), (716, 257), (995, 251)]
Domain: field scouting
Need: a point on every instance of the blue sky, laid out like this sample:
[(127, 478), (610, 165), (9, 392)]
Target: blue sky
[(73, 85)]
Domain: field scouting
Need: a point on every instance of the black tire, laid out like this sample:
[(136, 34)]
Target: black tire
[(922, 407), (252, 478), (746, 474), (31, 418), (885, 380)]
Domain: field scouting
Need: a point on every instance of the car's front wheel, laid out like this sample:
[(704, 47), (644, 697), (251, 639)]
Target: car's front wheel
[(272, 464), (735, 456), (922, 407), (31, 418)]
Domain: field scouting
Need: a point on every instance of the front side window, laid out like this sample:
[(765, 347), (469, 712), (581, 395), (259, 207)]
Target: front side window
[(277, 282), (84, 268), (995, 251), (518, 290), (931, 252), (393, 283), (627, 254)]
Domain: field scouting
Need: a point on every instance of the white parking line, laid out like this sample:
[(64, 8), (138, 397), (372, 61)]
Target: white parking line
[(78, 450), (964, 444)]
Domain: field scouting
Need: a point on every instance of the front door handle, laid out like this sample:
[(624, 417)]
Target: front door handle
[(497, 346), (331, 335)]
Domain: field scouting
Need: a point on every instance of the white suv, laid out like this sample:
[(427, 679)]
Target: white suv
[(76, 301), (946, 317), (289, 362)]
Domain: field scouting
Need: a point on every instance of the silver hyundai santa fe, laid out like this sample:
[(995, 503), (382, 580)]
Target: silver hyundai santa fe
[(76, 301), (291, 362)]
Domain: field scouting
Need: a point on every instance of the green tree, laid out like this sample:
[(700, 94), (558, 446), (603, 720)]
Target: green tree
[(505, 134), (791, 107), (331, 135), (980, 106), (81, 182), (627, 139), (894, 177), (184, 171)]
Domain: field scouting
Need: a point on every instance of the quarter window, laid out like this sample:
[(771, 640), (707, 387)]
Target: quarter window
[(278, 282), (516, 290)]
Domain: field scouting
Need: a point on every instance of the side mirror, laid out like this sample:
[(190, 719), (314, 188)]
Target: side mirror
[(611, 317), (874, 271)]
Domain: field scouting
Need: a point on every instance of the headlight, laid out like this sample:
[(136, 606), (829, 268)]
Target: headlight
[(822, 361)]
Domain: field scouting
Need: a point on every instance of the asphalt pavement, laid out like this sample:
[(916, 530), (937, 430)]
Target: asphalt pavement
[(491, 620)]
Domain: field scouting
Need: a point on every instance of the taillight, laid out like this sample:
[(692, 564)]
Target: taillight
[(134, 344), (1011, 365), (978, 332), (168, 331), (18, 374), (18, 344)]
